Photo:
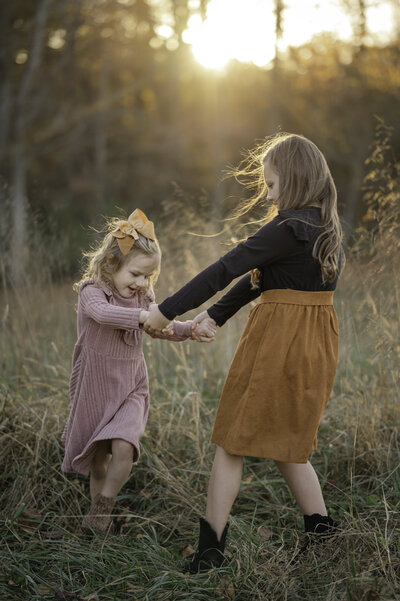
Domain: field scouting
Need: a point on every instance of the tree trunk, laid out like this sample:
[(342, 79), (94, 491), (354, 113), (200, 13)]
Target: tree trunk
[(274, 110), (100, 138), (19, 246), (5, 120)]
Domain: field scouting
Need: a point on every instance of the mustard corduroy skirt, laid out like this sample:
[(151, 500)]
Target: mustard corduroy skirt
[(280, 378)]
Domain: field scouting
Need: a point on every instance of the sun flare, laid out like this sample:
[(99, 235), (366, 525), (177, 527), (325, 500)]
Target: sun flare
[(245, 29), (232, 30)]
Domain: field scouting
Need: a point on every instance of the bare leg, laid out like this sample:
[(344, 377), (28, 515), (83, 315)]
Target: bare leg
[(119, 467), (304, 485), (98, 469), (223, 488)]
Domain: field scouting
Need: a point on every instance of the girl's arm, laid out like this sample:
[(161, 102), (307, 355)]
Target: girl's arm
[(271, 243), (94, 303), (180, 330), (239, 295)]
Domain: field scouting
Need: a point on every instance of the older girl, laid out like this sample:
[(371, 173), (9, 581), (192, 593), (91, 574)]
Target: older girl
[(284, 367)]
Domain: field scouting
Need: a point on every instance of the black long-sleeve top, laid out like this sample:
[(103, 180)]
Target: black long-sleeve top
[(281, 250)]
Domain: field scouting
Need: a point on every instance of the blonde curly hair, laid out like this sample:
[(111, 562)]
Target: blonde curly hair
[(105, 259)]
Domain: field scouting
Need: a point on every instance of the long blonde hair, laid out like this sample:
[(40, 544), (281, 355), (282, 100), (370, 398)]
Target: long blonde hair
[(304, 180), (105, 259)]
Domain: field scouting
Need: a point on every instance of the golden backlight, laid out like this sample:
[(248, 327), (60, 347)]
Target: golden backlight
[(245, 29)]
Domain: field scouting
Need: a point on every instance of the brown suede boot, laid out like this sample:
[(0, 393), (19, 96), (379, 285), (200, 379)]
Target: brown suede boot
[(98, 519)]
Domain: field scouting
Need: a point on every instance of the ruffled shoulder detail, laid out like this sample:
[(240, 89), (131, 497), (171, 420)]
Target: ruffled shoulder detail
[(301, 223)]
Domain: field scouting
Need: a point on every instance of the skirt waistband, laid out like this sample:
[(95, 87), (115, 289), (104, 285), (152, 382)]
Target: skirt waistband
[(297, 297)]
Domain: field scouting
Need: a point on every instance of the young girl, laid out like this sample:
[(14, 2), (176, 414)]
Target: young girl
[(109, 385), (284, 367)]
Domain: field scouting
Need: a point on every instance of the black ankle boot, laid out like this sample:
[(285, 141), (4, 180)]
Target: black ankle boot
[(321, 525), (210, 552), (318, 528)]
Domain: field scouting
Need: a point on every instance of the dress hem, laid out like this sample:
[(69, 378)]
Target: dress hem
[(264, 455), (72, 470)]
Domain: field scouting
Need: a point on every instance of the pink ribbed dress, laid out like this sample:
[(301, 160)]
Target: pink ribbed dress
[(109, 385)]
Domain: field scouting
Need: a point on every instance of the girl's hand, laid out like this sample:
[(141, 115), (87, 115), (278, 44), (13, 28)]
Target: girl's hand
[(204, 328), (169, 329), (200, 337), (200, 317), (155, 321)]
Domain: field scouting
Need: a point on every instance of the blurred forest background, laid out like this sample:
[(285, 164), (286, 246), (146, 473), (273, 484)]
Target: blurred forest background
[(103, 105)]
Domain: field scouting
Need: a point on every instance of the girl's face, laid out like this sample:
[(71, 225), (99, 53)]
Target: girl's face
[(134, 274), (272, 180)]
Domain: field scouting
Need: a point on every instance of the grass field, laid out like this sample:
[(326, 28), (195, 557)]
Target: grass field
[(158, 509)]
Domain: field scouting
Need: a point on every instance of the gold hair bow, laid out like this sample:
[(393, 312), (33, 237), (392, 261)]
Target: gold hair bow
[(127, 231)]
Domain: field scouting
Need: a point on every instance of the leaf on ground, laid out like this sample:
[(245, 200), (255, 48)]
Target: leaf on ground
[(44, 589), (226, 588), (92, 597), (187, 551), (264, 532)]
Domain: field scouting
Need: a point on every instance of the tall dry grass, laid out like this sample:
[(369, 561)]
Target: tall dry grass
[(357, 460)]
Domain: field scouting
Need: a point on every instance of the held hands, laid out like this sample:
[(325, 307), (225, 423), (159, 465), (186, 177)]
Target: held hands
[(154, 322), (204, 328)]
